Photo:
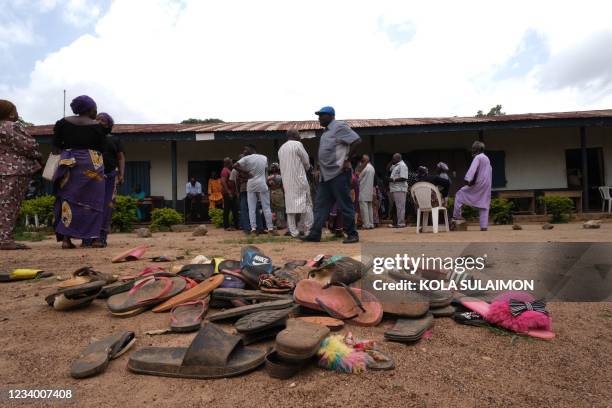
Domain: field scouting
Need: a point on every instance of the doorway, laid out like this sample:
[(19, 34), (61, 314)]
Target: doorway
[(595, 168)]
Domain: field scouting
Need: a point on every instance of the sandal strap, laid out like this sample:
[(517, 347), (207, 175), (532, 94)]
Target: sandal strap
[(167, 287), (331, 312)]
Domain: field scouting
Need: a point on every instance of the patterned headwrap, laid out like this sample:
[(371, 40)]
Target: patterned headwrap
[(82, 104), (6, 108), (442, 166), (109, 119)]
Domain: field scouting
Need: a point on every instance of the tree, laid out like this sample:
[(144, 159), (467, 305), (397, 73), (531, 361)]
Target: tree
[(494, 111), (192, 121), (23, 123)]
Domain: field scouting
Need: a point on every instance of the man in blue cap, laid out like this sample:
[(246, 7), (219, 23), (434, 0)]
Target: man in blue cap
[(337, 145)]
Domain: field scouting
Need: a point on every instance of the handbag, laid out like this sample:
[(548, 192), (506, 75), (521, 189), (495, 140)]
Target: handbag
[(51, 166)]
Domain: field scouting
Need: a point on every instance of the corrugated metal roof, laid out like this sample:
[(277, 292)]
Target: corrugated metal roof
[(269, 126)]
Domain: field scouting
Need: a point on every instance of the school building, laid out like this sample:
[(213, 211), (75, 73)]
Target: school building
[(561, 153)]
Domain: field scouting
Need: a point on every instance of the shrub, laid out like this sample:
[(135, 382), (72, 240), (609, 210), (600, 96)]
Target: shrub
[(467, 212), (124, 213), (500, 211), (216, 217), (559, 208), (42, 206), (163, 218)]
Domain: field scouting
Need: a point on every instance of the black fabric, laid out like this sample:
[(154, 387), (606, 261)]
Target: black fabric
[(230, 204), (441, 182), (67, 135), (113, 147)]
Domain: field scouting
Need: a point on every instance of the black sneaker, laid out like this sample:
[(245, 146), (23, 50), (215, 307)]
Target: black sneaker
[(308, 238), (351, 240)]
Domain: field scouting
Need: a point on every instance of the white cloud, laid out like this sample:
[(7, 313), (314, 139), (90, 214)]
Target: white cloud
[(163, 61)]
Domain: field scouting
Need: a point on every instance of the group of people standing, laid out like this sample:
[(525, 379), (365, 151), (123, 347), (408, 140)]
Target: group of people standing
[(91, 163), (253, 195)]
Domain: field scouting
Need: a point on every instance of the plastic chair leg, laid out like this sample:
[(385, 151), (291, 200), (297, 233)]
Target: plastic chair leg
[(418, 221), (445, 213), (434, 219)]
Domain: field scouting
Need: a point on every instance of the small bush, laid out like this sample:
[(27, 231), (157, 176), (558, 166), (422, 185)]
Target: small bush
[(467, 212), (501, 211), (559, 208), (124, 213), (216, 217), (163, 218), (41, 206)]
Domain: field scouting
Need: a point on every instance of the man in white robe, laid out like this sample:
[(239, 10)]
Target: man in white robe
[(366, 174), (294, 164)]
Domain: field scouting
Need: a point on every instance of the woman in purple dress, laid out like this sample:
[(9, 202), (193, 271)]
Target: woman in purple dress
[(79, 181)]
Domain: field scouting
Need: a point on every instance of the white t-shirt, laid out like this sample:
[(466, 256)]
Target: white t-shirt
[(257, 166), (399, 170)]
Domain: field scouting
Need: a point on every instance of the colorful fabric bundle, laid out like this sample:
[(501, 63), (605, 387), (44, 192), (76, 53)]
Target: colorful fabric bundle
[(335, 355)]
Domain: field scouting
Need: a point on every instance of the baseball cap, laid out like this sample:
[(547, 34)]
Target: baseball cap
[(326, 109)]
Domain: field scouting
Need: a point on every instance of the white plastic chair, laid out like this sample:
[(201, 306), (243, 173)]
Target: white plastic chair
[(605, 198), (421, 194)]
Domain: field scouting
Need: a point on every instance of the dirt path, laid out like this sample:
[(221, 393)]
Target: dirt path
[(458, 366)]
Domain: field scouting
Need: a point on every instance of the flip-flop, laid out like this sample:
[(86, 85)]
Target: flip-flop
[(260, 321), (253, 263), (446, 311), (276, 367), (87, 274), (144, 294), (232, 282), (379, 361), (336, 301), (230, 294), (337, 270), (212, 354), (200, 291), (507, 321), (245, 310), (75, 296), (371, 312), (271, 333), (23, 274), (148, 272), (197, 272), (187, 317), (133, 254), (329, 322), (409, 330), (300, 340), (437, 298), (96, 356), (114, 288)]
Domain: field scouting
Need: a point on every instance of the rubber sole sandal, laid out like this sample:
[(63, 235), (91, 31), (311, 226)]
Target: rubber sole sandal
[(85, 275), (245, 310), (446, 311), (213, 353), (145, 293), (131, 313), (246, 294), (409, 330), (23, 274), (380, 361), (277, 368), (200, 291), (337, 270), (271, 333), (336, 301), (133, 254), (300, 340), (329, 322), (75, 297), (115, 288), (96, 356), (197, 272), (371, 312), (187, 317), (437, 298), (470, 318), (264, 320)]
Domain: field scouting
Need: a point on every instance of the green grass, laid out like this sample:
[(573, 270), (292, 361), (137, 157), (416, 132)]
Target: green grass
[(264, 239), (30, 236)]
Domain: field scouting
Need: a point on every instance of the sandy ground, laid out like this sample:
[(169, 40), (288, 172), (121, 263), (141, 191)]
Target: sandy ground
[(458, 366)]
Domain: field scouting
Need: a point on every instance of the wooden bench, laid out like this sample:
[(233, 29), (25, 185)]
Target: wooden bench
[(573, 194), (517, 194)]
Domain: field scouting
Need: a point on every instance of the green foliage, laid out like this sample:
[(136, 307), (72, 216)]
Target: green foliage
[(124, 213), (494, 111), (216, 216), (163, 218), (193, 121), (23, 123), (501, 211), (467, 212), (559, 208), (32, 236), (41, 206)]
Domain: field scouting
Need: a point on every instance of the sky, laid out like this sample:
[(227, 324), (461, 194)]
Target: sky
[(162, 61)]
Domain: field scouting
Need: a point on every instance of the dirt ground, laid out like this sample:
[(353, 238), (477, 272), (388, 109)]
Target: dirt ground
[(458, 365)]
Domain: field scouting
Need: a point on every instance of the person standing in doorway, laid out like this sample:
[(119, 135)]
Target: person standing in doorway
[(256, 165), (338, 143), (215, 191), (366, 192), (477, 191), (398, 188), (230, 198), (193, 198), (294, 165)]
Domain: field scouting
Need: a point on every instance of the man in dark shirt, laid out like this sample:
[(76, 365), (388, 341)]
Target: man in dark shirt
[(230, 201)]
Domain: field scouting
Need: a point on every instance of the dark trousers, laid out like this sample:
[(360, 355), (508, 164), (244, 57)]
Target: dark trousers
[(336, 190), (193, 205), (230, 204)]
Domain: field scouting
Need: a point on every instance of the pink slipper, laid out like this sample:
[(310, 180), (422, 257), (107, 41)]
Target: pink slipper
[(133, 254)]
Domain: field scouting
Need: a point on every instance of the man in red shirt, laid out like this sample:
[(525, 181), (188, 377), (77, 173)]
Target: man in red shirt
[(230, 196)]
